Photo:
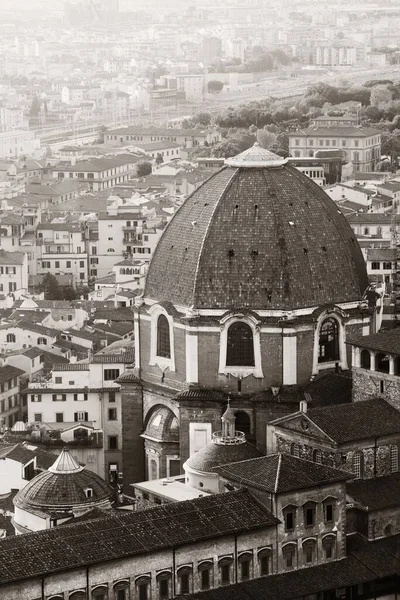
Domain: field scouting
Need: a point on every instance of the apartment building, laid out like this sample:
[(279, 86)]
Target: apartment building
[(100, 173), (61, 251), (359, 145), (82, 403), (10, 409), (14, 144), (13, 273)]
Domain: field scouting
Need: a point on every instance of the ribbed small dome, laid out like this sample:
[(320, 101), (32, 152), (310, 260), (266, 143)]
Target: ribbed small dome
[(63, 487), (213, 455), (163, 426)]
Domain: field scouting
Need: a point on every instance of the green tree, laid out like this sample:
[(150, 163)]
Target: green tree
[(51, 288), (380, 95), (144, 168), (214, 86), (203, 118)]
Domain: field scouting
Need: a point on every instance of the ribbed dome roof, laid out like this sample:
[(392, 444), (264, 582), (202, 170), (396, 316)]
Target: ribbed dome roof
[(63, 487), (258, 234), (213, 455)]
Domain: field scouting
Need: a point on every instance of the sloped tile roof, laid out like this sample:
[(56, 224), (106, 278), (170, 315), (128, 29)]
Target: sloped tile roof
[(356, 421), (385, 341), (130, 534), (280, 473), (9, 372), (376, 494)]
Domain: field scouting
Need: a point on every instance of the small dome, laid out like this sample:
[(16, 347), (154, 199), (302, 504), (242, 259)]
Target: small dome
[(64, 486), (163, 426), (213, 455)]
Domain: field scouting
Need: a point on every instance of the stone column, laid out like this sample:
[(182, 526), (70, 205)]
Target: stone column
[(372, 367)]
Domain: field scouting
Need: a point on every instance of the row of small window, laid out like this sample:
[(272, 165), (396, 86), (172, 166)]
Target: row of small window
[(12, 286), (309, 554), (11, 338), (8, 270), (330, 142), (77, 397), (382, 364), (46, 264), (78, 416), (309, 512), (207, 579), (358, 462), (376, 265), (9, 385), (129, 271), (10, 402)]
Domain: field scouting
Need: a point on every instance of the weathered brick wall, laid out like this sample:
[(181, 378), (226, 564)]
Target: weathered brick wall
[(302, 532), (132, 427), (366, 386)]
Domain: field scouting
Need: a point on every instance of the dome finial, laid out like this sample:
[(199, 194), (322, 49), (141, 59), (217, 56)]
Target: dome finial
[(65, 463)]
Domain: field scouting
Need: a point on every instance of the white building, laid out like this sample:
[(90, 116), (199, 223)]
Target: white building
[(61, 251), (13, 273), (14, 144)]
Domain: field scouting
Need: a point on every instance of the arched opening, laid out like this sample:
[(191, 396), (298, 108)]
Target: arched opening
[(329, 341), (163, 337), (317, 456), (365, 359), (388, 531), (240, 346), (382, 362), (295, 450), (243, 422)]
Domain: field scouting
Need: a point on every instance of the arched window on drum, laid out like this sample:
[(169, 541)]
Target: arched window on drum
[(329, 341), (240, 346)]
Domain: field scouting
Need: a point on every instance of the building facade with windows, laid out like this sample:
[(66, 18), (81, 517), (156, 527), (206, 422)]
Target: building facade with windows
[(100, 173), (11, 409), (13, 273), (61, 250), (238, 302), (359, 145)]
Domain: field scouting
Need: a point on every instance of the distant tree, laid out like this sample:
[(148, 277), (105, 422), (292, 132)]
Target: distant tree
[(188, 124), (51, 288), (390, 145), (214, 86), (266, 138), (380, 95), (159, 159), (69, 292), (101, 131), (144, 168), (34, 112), (203, 118)]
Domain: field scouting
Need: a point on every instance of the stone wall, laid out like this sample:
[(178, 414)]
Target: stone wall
[(367, 386), (132, 427)]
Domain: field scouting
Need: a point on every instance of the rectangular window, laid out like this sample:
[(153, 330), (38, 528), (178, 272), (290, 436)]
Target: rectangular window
[(184, 583), (205, 579), (329, 513), (57, 264), (309, 516), (37, 417), (245, 569), (81, 416), (68, 264), (112, 414), (113, 442), (387, 266), (375, 265), (143, 589), (164, 588), (111, 374), (111, 396), (59, 417), (264, 565), (226, 574), (289, 521), (58, 379), (81, 264)]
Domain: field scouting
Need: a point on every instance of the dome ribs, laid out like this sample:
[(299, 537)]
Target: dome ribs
[(265, 238)]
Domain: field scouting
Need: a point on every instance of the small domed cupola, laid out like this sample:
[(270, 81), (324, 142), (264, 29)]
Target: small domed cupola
[(228, 436), (65, 464)]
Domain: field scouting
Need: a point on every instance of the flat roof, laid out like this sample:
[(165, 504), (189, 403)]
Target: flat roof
[(170, 488)]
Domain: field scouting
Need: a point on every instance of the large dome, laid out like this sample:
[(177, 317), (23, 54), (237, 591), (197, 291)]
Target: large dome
[(63, 487), (258, 234)]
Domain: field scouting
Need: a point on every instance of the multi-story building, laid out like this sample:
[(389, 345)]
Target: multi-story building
[(99, 173), (10, 407), (14, 144), (13, 273), (186, 138), (82, 402), (61, 251), (339, 54), (359, 145)]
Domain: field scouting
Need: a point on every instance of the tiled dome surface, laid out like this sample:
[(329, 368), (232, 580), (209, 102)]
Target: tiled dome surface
[(51, 491), (257, 237), (213, 455)]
